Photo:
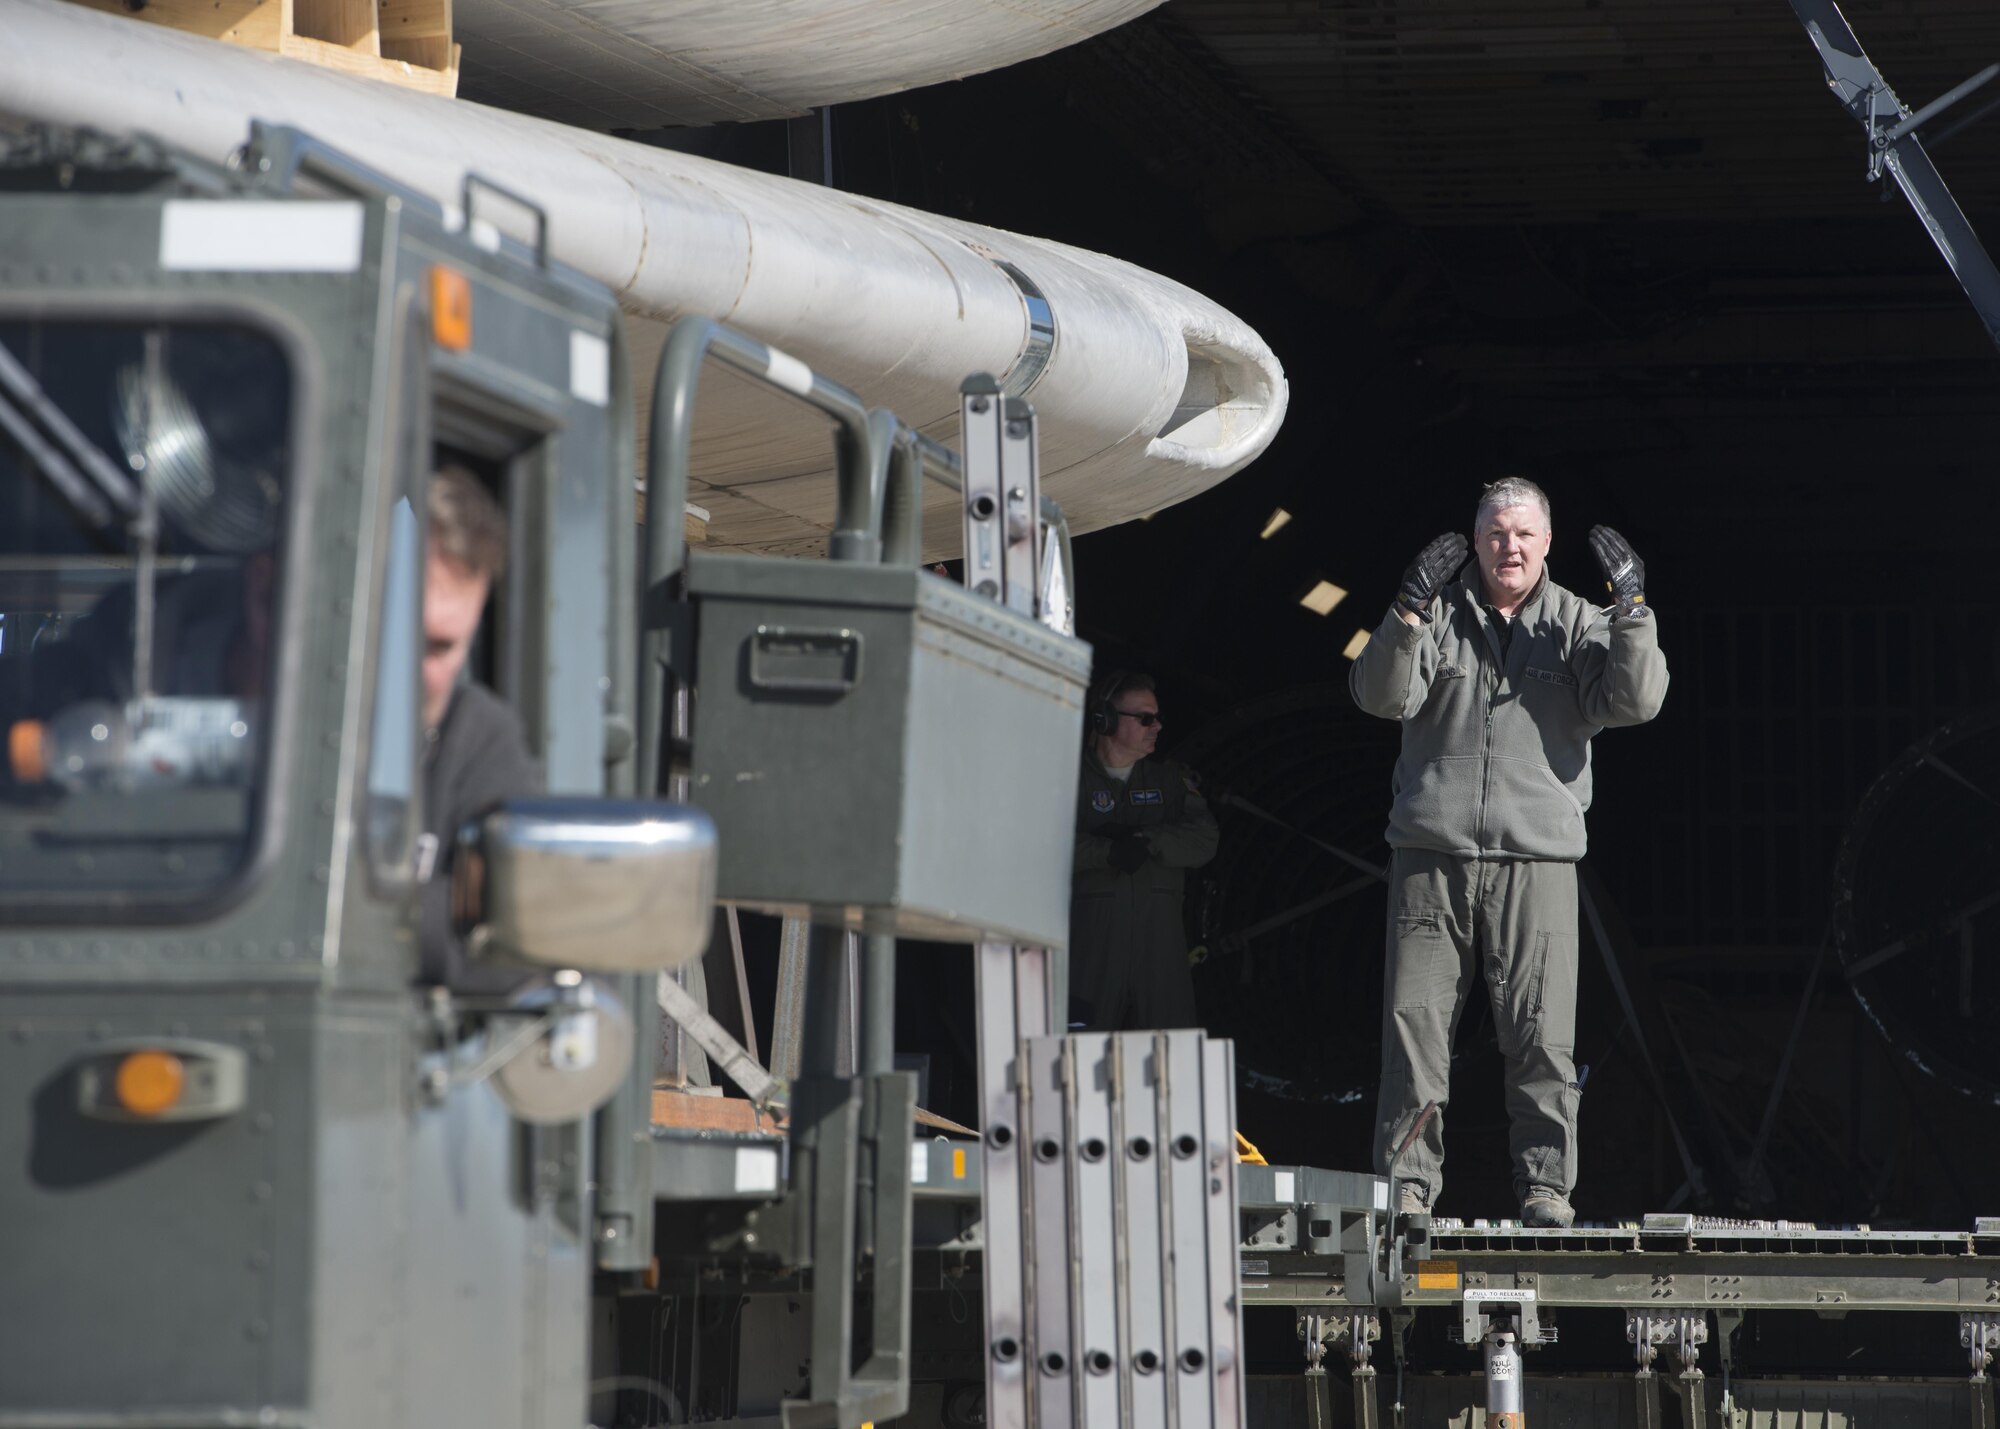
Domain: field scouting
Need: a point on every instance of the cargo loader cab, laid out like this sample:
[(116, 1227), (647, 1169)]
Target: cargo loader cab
[(331, 1194)]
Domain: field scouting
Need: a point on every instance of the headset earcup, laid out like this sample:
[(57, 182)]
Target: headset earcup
[(1102, 720)]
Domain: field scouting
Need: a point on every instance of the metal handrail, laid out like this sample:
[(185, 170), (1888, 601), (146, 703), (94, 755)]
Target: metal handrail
[(880, 462), (861, 468)]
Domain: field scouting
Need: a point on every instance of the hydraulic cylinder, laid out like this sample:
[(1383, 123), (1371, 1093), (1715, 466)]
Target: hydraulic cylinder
[(1503, 1380)]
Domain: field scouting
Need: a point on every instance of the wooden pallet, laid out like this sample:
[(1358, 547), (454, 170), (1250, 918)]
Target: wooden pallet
[(406, 42)]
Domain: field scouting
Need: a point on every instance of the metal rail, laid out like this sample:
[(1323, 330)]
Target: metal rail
[(1661, 1259), (941, 464), (1893, 145)]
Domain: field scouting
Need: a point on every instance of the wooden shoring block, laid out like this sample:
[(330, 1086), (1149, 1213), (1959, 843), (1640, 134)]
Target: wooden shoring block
[(351, 24), (345, 35), (255, 24), (330, 56), (418, 31)]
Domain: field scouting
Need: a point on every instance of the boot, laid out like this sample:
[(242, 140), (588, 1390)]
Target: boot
[(1545, 1209)]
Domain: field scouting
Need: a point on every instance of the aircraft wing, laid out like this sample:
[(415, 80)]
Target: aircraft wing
[(1148, 392)]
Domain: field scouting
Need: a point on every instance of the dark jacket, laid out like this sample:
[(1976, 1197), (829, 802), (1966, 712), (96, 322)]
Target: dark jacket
[(1496, 748), (475, 758), (1128, 945)]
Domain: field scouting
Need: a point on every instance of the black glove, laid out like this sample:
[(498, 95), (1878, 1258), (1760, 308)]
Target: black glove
[(1624, 572), (1435, 564), (1129, 850)]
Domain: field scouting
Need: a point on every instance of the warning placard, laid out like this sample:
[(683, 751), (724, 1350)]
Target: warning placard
[(1437, 1275)]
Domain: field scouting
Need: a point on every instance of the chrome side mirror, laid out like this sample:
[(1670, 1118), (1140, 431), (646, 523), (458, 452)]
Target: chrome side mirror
[(603, 885)]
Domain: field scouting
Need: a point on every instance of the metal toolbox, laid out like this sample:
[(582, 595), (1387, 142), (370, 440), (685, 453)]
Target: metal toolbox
[(882, 749)]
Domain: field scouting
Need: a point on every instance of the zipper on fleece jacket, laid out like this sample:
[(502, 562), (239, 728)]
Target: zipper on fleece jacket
[(1485, 773), (1486, 752)]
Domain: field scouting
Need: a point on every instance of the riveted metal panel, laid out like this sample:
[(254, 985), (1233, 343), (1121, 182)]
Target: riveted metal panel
[(155, 1266)]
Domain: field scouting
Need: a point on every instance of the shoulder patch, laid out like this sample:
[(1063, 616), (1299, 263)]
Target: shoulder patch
[(1103, 801), (1192, 780)]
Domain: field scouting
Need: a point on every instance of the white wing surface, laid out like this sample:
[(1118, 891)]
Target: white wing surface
[(1148, 394), (641, 64)]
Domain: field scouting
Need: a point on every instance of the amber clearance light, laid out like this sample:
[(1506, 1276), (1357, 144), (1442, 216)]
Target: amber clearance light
[(149, 1082), (451, 309)]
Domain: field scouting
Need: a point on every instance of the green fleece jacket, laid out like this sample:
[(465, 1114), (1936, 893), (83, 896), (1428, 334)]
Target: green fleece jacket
[(1496, 747)]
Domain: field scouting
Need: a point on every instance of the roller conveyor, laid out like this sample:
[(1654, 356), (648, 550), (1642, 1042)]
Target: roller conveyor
[(1314, 1237), (1320, 1243)]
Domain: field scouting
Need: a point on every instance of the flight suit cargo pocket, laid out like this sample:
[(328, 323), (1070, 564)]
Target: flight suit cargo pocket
[(1518, 995), (1554, 1002), (1423, 961)]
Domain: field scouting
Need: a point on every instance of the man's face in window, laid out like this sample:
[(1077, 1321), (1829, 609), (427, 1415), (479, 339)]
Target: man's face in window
[(454, 597)]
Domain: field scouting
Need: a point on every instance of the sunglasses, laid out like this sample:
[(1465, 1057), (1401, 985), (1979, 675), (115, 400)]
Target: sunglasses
[(1146, 718)]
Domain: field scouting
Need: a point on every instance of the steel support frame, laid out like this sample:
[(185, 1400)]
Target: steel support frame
[(1355, 1333), (1017, 997), (851, 1179), (1893, 146), (1684, 1331), (1109, 1216)]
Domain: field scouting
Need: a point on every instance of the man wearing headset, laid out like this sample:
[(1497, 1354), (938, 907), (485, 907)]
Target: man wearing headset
[(1141, 823), (1500, 679)]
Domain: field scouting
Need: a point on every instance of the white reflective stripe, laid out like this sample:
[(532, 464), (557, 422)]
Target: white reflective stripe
[(789, 373), (589, 368), (756, 1168), (920, 1162), (247, 236), (1284, 1182), (1381, 1195)]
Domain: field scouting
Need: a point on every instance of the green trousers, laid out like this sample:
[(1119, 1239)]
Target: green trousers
[(1456, 923)]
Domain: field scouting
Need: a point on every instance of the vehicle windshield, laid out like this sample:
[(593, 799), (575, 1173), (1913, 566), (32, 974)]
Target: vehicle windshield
[(144, 469)]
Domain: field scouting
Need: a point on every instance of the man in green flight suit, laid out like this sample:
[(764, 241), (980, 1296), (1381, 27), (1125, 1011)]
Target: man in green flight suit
[(1141, 823), (1500, 680)]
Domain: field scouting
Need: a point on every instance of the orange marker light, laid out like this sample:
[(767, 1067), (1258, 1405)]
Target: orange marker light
[(451, 308), (26, 752), (149, 1083)]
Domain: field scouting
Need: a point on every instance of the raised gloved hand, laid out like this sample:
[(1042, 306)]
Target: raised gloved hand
[(1130, 848), (1436, 564), (1624, 572)]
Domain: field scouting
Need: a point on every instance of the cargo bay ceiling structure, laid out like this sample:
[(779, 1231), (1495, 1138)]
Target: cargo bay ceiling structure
[(1614, 232)]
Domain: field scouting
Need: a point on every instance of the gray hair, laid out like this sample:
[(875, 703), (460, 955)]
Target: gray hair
[(1511, 491)]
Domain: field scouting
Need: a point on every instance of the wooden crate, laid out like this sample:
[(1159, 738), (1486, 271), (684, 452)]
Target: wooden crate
[(406, 42)]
